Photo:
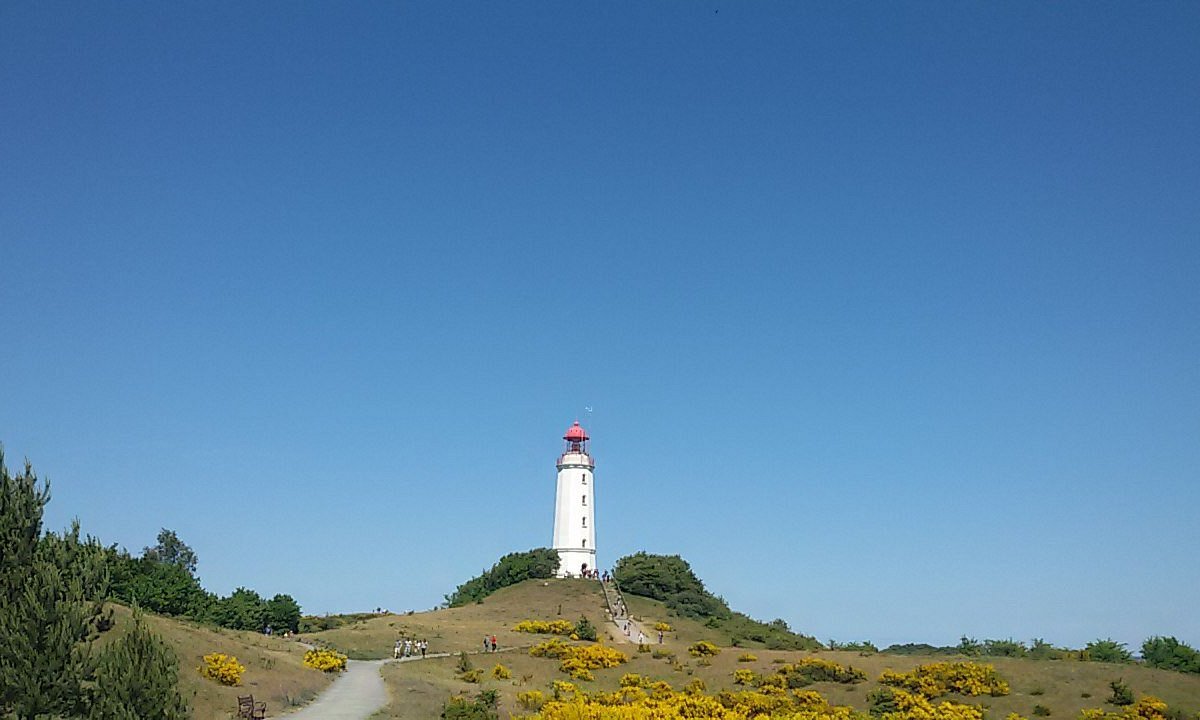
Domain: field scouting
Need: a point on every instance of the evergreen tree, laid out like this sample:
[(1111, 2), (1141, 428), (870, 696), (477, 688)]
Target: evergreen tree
[(170, 550), (136, 679), (49, 607)]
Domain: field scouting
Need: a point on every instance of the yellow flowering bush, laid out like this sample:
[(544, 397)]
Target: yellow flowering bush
[(662, 703), (1147, 708), (937, 679), (531, 699), (914, 706), (554, 648), (545, 627), (578, 662), (500, 672), (325, 660), (703, 649), (663, 627), (223, 668), (631, 680), (744, 677), (747, 657)]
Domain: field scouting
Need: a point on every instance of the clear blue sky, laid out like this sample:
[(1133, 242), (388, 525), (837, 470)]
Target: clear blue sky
[(889, 313)]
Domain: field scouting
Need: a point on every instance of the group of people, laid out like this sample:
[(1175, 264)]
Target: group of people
[(409, 648), (489, 643)]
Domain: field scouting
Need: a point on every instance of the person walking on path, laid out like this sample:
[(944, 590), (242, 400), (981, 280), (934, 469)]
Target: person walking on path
[(493, 643)]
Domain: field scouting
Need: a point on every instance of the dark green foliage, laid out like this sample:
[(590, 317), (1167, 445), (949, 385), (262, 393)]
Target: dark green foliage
[(670, 579), (1107, 651), (1004, 648), (243, 610), (1122, 694), (584, 629), (882, 701), (1041, 710), (283, 613), (1170, 654), (136, 678), (920, 649), (163, 588), (483, 707), (969, 646), (464, 662), (510, 570), (1039, 649), (170, 550), (50, 604), (799, 675)]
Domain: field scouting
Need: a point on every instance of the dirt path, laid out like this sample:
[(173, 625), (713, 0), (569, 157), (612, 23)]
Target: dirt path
[(359, 691)]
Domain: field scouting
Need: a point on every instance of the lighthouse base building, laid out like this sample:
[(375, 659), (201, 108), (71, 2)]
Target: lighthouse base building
[(575, 506)]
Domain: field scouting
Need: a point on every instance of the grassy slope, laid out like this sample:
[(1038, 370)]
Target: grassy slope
[(463, 628), (420, 688), (274, 667)]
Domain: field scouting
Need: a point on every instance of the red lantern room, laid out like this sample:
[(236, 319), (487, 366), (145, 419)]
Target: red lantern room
[(576, 439)]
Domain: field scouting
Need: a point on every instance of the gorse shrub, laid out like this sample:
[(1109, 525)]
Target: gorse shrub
[(1146, 708), (500, 672), (703, 648), (578, 662), (937, 679), (222, 668), (545, 627), (747, 657), (325, 660)]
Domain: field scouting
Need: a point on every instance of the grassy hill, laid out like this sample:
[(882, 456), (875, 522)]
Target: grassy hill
[(420, 689), (274, 666)]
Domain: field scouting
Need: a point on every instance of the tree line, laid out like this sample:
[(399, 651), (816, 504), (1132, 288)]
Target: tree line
[(54, 594)]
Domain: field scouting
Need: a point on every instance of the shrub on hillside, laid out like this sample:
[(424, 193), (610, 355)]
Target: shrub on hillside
[(222, 668), (483, 707), (810, 670), (703, 648), (937, 679), (545, 627), (1168, 653), (325, 660), (584, 630), (1122, 694), (1107, 650), (500, 672), (509, 570)]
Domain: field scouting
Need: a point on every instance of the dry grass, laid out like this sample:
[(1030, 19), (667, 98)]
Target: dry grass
[(463, 628), (420, 688), (274, 667)]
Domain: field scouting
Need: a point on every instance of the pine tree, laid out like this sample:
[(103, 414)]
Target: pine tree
[(50, 591), (136, 679)]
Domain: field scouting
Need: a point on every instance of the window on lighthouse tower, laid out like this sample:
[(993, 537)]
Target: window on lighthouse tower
[(585, 499), (585, 522)]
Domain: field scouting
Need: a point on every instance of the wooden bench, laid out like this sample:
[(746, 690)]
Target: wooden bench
[(249, 709)]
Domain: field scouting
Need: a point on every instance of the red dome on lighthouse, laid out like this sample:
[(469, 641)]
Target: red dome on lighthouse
[(575, 433)]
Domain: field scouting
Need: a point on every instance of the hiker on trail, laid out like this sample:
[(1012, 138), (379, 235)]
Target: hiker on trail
[(485, 643), (424, 645), (396, 650), (493, 643), (407, 647), (641, 638), (660, 637)]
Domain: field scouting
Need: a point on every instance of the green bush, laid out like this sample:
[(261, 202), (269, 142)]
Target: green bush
[(1122, 694), (585, 630), (483, 707), (510, 570), (1041, 710), (1107, 650), (1170, 654)]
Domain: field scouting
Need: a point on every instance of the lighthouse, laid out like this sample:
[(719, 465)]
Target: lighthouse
[(575, 506)]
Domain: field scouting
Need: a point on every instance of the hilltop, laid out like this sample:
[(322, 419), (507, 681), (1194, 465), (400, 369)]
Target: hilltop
[(1061, 687)]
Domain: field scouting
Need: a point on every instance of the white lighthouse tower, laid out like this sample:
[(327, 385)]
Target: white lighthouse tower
[(575, 506)]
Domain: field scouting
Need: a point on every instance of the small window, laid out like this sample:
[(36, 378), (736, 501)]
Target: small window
[(585, 543), (585, 522), (583, 478), (585, 499)]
